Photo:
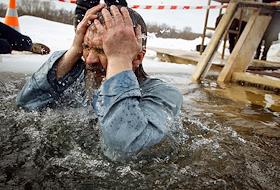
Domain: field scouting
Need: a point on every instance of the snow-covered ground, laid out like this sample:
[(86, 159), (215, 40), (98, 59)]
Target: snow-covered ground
[(174, 18), (59, 37)]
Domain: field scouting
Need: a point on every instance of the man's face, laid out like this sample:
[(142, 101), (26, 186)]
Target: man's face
[(93, 53)]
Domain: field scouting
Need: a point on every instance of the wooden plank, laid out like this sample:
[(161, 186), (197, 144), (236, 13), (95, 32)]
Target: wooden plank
[(267, 6), (262, 63), (176, 59), (204, 65), (243, 52), (185, 60), (216, 62), (192, 57), (256, 79)]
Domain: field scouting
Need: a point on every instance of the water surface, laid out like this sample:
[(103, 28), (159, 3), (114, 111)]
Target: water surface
[(222, 143)]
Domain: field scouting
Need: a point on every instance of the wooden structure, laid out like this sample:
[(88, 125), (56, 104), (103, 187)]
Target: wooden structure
[(192, 57), (243, 52), (206, 27)]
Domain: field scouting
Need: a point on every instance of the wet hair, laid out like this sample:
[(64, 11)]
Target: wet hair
[(136, 20), (84, 5), (116, 2)]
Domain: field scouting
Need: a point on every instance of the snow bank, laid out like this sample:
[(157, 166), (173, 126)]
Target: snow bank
[(59, 36), (174, 18)]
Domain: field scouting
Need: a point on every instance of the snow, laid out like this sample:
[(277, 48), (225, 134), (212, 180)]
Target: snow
[(174, 18), (59, 36), (170, 43)]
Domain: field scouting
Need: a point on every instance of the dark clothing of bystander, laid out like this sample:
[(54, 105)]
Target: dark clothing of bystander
[(270, 35), (10, 39)]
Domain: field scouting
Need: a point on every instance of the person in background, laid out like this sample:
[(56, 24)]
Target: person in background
[(134, 110), (10, 39), (270, 35)]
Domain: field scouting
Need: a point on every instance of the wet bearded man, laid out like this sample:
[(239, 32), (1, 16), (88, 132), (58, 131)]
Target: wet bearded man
[(114, 44), (135, 112), (107, 47)]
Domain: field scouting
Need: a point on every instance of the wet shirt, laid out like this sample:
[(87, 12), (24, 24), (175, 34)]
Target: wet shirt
[(133, 115)]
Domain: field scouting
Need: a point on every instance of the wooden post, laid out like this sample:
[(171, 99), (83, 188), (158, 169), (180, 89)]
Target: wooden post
[(204, 65), (256, 79), (245, 47), (205, 28)]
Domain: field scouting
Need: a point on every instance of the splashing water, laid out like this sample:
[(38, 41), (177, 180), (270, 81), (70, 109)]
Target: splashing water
[(217, 144)]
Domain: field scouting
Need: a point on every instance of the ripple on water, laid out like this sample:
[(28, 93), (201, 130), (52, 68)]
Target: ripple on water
[(60, 148)]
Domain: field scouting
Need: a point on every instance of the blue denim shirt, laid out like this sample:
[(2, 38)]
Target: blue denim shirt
[(133, 116)]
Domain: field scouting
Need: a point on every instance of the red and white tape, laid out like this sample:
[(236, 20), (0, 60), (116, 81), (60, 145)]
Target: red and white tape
[(165, 7), (68, 1), (176, 7)]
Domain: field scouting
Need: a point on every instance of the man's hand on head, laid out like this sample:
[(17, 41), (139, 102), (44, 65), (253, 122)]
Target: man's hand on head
[(121, 44), (82, 27), (70, 58)]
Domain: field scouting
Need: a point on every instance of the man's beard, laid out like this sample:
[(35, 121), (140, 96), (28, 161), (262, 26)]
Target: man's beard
[(94, 75)]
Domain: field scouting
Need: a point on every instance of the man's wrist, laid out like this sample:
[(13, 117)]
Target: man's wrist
[(75, 52), (117, 65), (67, 62), (117, 60)]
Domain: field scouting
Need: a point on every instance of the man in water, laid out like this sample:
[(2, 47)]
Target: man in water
[(134, 110)]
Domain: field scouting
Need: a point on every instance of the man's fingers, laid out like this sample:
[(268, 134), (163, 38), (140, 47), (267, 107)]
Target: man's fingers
[(109, 21), (116, 14), (84, 24), (91, 15), (95, 9), (89, 19), (99, 27), (126, 16)]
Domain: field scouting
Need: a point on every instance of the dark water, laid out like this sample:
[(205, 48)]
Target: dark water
[(222, 144)]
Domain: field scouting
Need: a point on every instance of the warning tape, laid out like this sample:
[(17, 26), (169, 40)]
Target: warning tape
[(176, 7), (68, 1), (165, 7)]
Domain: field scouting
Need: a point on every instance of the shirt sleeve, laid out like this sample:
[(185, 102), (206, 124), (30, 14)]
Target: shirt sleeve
[(130, 119), (43, 88)]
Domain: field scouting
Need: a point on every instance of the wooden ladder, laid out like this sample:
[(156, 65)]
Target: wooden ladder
[(206, 27), (243, 52)]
